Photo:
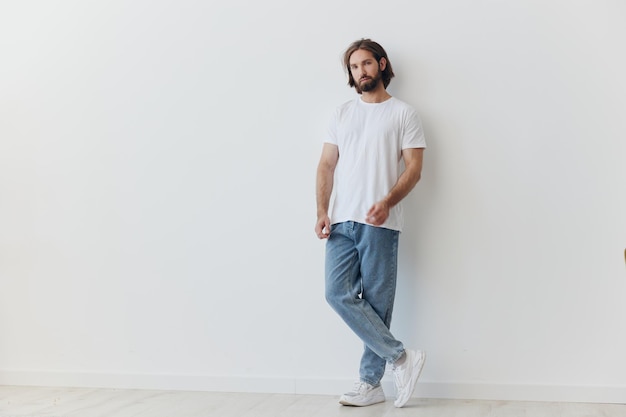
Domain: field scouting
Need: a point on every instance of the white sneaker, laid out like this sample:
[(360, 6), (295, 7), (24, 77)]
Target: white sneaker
[(406, 375), (363, 394)]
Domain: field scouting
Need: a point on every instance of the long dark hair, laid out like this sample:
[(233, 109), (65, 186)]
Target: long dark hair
[(377, 51)]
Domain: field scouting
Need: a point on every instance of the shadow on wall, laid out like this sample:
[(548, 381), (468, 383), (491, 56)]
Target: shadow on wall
[(418, 206)]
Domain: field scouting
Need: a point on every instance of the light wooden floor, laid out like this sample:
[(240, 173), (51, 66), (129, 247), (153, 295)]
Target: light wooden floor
[(86, 402)]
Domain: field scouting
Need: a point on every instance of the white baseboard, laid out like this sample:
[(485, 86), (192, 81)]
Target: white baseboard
[(520, 392), (177, 382), (317, 386)]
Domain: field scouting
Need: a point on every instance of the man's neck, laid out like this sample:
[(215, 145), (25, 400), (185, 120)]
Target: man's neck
[(376, 96)]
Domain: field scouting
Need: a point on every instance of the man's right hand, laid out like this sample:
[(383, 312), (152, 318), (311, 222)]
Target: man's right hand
[(322, 227)]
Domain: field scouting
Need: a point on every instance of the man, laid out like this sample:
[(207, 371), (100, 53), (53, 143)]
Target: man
[(369, 139)]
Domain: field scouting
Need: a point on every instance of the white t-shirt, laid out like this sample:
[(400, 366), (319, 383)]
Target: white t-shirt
[(370, 138)]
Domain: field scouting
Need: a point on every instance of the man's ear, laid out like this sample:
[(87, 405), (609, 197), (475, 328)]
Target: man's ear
[(382, 63)]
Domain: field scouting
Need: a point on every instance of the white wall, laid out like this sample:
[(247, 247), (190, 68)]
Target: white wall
[(157, 164)]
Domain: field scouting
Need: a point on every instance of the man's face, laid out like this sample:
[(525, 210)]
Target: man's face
[(365, 70)]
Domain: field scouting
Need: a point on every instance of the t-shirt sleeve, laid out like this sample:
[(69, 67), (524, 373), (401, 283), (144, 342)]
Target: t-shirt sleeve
[(413, 135), (331, 131)]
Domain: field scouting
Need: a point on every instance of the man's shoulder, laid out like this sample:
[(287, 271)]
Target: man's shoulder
[(345, 108), (401, 104)]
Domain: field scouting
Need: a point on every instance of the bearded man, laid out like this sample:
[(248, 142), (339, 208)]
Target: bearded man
[(371, 159)]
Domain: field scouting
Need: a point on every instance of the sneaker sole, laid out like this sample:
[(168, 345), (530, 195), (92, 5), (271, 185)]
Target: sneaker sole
[(349, 404)]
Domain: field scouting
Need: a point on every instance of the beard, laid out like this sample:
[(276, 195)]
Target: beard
[(370, 84)]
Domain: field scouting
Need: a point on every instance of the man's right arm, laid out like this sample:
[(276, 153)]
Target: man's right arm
[(324, 188)]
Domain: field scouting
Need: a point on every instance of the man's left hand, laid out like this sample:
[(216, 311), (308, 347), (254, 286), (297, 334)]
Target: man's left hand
[(378, 214)]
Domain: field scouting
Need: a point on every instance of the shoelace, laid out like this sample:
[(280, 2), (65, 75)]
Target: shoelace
[(358, 387)]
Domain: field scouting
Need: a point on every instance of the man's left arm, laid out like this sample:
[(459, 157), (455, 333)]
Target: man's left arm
[(413, 157)]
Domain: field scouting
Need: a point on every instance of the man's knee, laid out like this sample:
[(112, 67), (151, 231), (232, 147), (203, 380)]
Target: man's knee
[(337, 296)]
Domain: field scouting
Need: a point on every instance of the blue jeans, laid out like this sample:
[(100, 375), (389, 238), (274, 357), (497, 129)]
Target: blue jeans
[(361, 270)]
